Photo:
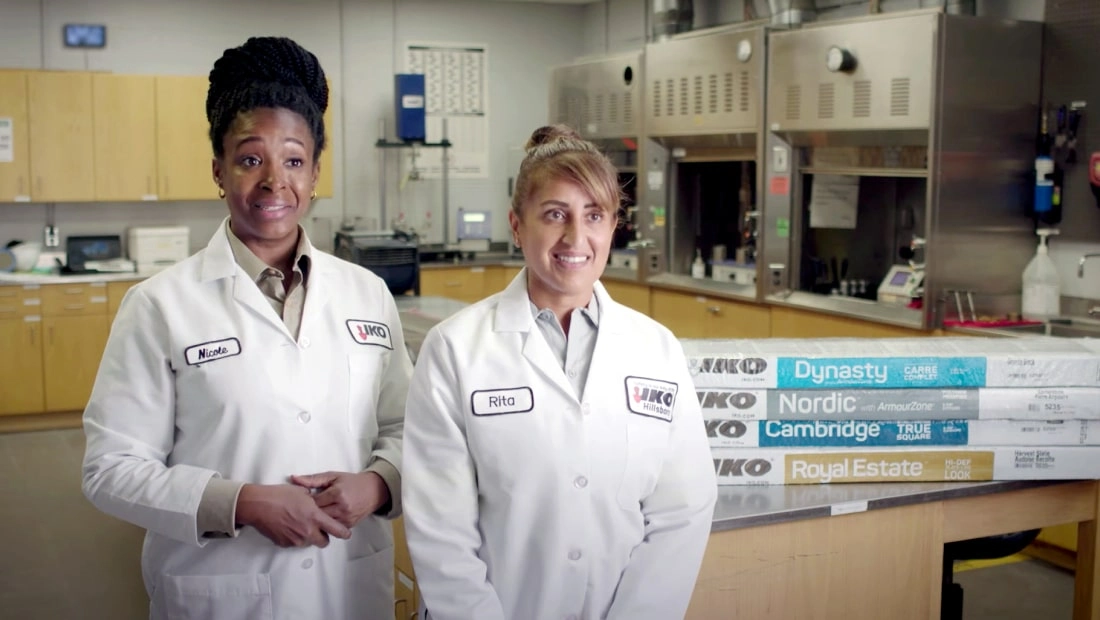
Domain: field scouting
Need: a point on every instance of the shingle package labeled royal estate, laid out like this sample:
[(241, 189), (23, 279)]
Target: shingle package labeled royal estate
[(904, 410)]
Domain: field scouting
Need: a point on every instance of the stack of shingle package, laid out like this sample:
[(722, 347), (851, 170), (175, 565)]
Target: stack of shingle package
[(817, 411)]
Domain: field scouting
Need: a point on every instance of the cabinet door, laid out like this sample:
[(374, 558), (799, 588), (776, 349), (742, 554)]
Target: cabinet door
[(791, 323), (684, 314), (115, 292), (184, 154), (634, 296), (460, 283), (732, 319), (15, 184), (61, 136), (70, 359), (21, 386), (325, 178), (125, 137)]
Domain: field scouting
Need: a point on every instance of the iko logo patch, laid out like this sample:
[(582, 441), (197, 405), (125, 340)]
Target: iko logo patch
[(370, 332), (651, 397), (210, 351), (499, 402)]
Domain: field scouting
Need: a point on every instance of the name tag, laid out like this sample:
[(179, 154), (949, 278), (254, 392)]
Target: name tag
[(651, 397), (370, 332), (210, 351), (497, 402)]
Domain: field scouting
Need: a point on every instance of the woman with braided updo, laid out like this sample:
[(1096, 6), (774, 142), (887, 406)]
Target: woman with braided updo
[(556, 462), (248, 409)]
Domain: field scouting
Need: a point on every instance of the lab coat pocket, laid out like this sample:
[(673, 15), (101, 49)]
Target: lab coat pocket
[(218, 597), (646, 445), (364, 382), (370, 586)]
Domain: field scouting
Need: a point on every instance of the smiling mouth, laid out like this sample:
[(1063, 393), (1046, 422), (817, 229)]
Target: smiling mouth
[(270, 208), (571, 260)]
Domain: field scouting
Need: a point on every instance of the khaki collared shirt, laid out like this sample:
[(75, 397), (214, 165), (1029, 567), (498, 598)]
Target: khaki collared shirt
[(575, 349), (217, 513)]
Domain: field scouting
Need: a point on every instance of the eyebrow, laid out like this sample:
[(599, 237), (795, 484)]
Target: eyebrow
[(257, 138), (559, 203)]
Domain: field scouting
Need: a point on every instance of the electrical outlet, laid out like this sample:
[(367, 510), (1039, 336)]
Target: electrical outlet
[(777, 274)]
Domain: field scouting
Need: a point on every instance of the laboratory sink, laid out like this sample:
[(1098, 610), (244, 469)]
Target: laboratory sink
[(1062, 327)]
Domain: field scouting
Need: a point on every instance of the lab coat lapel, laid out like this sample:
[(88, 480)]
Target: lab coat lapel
[(609, 338), (513, 314), (218, 263)]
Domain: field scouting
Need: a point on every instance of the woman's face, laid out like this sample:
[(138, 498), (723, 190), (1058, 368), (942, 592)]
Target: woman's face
[(565, 237), (268, 173)]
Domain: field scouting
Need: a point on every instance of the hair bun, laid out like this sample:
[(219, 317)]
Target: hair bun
[(276, 60), (551, 133)]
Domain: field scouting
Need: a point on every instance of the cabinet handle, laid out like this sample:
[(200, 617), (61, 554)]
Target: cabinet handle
[(74, 306), (33, 334), (714, 309), (49, 335), (74, 291)]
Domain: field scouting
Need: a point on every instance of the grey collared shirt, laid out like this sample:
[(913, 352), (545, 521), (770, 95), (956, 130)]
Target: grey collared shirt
[(575, 350)]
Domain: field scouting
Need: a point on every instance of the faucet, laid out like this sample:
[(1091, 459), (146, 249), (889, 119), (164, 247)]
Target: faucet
[(1081, 263)]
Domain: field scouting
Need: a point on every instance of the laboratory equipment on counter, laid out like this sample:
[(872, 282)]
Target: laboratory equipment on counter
[(409, 103), (733, 272), (901, 285), (474, 230), (1041, 298), (392, 256), (156, 247)]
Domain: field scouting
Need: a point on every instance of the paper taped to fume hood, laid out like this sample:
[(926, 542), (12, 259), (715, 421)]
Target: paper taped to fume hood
[(834, 201)]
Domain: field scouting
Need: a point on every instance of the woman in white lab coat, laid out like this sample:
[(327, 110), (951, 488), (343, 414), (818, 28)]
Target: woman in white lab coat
[(249, 405), (556, 464)]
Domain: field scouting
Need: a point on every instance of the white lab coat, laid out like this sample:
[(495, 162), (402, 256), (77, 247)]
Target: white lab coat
[(252, 405), (548, 506)]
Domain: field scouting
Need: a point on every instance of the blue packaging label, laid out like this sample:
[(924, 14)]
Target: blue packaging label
[(879, 372), (854, 433)]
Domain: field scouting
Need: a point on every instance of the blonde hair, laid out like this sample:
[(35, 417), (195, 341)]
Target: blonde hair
[(558, 152)]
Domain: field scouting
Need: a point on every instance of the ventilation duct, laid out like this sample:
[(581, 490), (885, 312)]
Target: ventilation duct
[(671, 17), (791, 12)]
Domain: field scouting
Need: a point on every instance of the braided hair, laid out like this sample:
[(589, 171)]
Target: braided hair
[(558, 152), (266, 72)]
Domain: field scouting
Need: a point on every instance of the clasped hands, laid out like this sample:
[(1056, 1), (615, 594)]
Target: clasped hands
[(310, 509)]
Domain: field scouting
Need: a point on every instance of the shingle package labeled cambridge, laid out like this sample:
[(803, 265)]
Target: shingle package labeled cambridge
[(929, 409)]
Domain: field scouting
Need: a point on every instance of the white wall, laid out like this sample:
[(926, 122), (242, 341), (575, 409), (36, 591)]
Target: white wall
[(355, 41)]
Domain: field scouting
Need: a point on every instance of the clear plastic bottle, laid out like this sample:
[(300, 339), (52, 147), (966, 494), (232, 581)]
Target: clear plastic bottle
[(1041, 295), (698, 267)]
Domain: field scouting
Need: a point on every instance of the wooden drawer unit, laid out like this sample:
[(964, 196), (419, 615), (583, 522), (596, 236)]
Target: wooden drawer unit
[(77, 299), (697, 316), (460, 283), (20, 301), (792, 323), (115, 292), (631, 295)]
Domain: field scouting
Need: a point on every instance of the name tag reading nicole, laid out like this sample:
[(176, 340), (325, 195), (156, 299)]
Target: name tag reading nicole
[(497, 402), (210, 351)]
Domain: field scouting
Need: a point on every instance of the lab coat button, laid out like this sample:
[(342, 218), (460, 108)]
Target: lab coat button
[(580, 482), (304, 417), (586, 408), (574, 555), (307, 563), (304, 342), (572, 373)]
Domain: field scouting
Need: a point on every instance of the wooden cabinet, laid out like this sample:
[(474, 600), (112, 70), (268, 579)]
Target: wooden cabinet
[(15, 174), (71, 352), (404, 582), (697, 316), (325, 177), (75, 328), (466, 284), (21, 379), (792, 323), (115, 292), (184, 153), (124, 108), (629, 294), (61, 136)]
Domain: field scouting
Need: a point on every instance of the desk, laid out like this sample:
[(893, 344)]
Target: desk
[(872, 551)]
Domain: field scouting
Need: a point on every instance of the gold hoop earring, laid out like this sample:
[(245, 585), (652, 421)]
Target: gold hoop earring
[(313, 195), (221, 192)]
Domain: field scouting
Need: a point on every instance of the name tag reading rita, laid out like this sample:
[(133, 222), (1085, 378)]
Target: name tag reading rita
[(498, 402), (210, 351)]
